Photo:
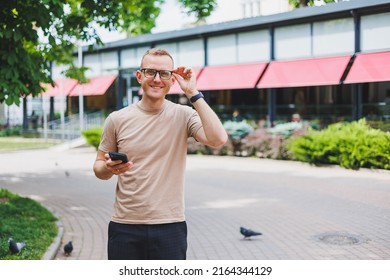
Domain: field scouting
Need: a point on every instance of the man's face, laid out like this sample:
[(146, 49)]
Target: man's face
[(155, 87)]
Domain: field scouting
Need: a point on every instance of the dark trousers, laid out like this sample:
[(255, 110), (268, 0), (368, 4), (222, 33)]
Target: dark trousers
[(147, 242)]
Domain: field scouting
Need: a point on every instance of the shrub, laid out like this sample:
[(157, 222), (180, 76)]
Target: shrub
[(194, 147), (286, 129), (237, 130), (351, 145), (11, 131), (93, 136), (261, 144)]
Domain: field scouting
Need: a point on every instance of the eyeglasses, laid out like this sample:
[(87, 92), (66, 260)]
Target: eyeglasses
[(151, 73)]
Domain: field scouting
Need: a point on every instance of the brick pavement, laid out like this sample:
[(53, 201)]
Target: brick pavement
[(294, 205)]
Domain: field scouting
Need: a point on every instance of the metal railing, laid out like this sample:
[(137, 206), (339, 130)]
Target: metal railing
[(69, 128)]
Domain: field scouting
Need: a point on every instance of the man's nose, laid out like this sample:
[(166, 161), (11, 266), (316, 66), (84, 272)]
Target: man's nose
[(155, 76)]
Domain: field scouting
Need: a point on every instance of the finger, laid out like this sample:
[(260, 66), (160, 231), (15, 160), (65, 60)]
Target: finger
[(121, 168), (185, 73)]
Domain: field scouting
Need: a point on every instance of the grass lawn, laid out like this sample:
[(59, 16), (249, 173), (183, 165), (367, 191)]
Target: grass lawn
[(24, 219), (20, 143)]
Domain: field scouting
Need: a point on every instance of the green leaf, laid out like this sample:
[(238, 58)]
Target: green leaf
[(17, 35)]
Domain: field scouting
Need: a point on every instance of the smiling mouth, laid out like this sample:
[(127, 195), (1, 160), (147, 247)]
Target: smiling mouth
[(156, 87)]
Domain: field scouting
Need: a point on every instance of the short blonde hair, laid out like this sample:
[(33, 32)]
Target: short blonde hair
[(156, 51)]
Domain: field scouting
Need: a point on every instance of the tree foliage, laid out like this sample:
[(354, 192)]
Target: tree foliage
[(200, 9), (25, 59), (304, 3)]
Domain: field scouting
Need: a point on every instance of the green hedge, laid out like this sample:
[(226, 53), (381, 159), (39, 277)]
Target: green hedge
[(93, 136), (11, 131), (351, 145)]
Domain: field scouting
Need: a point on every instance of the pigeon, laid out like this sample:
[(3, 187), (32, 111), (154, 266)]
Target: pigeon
[(248, 233), (15, 247), (68, 248)]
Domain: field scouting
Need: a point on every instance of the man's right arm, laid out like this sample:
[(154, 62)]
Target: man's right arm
[(100, 167), (105, 168)]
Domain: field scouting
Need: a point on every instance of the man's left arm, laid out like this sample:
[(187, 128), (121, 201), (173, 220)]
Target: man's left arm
[(212, 132)]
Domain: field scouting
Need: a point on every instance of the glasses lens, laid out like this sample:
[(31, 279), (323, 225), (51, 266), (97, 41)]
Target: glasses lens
[(150, 73), (165, 74)]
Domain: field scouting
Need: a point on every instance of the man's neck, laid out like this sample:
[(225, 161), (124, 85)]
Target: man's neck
[(151, 104)]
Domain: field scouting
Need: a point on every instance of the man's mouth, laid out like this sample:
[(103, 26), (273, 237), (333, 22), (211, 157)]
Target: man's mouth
[(156, 87)]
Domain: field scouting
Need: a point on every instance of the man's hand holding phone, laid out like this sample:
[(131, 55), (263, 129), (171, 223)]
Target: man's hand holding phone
[(118, 163)]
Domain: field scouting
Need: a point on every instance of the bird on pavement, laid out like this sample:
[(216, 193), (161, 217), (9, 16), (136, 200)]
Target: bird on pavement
[(15, 247), (68, 248), (248, 233)]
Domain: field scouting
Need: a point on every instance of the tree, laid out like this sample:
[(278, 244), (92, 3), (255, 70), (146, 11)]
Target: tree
[(25, 59), (304, 3), (201, 9)]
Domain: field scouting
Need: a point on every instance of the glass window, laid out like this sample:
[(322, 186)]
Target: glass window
[(327, 32), (222, 50), (375, 30), (109, 62), (253, 46), (191, 53), (171, 48), (129, 58), (92, 61), (293, 42)]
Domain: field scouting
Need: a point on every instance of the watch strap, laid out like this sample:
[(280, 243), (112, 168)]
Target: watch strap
[(196, 97)]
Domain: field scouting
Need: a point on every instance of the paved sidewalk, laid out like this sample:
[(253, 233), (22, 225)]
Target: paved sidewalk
[(304, 212)]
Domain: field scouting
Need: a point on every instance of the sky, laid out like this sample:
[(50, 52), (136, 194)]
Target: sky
[(172, 18)]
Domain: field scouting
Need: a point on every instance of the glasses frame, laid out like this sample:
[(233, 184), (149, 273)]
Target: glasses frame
[(155, 74)]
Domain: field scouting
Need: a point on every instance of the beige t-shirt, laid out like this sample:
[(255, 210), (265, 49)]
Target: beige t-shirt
[(152, 192)]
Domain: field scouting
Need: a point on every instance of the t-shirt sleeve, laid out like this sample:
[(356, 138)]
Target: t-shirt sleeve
[(108, 139), (194, 123)]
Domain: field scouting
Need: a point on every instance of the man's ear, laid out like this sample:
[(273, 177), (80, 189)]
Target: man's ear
[(138, 76)]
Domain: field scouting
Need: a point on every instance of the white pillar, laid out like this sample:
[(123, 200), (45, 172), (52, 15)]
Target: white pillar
[(81, 97), (62, 108)]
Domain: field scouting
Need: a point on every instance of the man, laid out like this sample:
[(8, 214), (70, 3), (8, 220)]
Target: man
[(148, 220)]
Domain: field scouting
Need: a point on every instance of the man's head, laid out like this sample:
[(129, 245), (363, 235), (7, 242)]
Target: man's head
[(156, 52), (155, 74)]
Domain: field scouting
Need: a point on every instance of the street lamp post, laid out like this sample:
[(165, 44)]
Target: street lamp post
[(81, 97)]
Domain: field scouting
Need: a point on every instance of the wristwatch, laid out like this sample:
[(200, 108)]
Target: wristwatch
[(196, 97)]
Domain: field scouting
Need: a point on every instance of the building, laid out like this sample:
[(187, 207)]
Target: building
[(327, 63)]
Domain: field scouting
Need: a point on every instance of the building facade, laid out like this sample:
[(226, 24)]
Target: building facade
[(327, 63)]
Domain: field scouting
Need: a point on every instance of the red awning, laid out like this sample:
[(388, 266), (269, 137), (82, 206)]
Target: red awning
[(62, 87), (307, 72), (230, 77), (96, 86), (370, 67)]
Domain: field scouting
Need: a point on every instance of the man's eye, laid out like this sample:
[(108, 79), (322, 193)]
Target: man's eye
[(165, 73), (150, 72)]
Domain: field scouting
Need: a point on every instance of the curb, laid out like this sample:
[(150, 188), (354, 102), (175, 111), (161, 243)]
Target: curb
[(69, 144), (55, 245)]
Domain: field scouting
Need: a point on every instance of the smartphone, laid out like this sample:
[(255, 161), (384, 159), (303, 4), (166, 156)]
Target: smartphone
[(118, 156)]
